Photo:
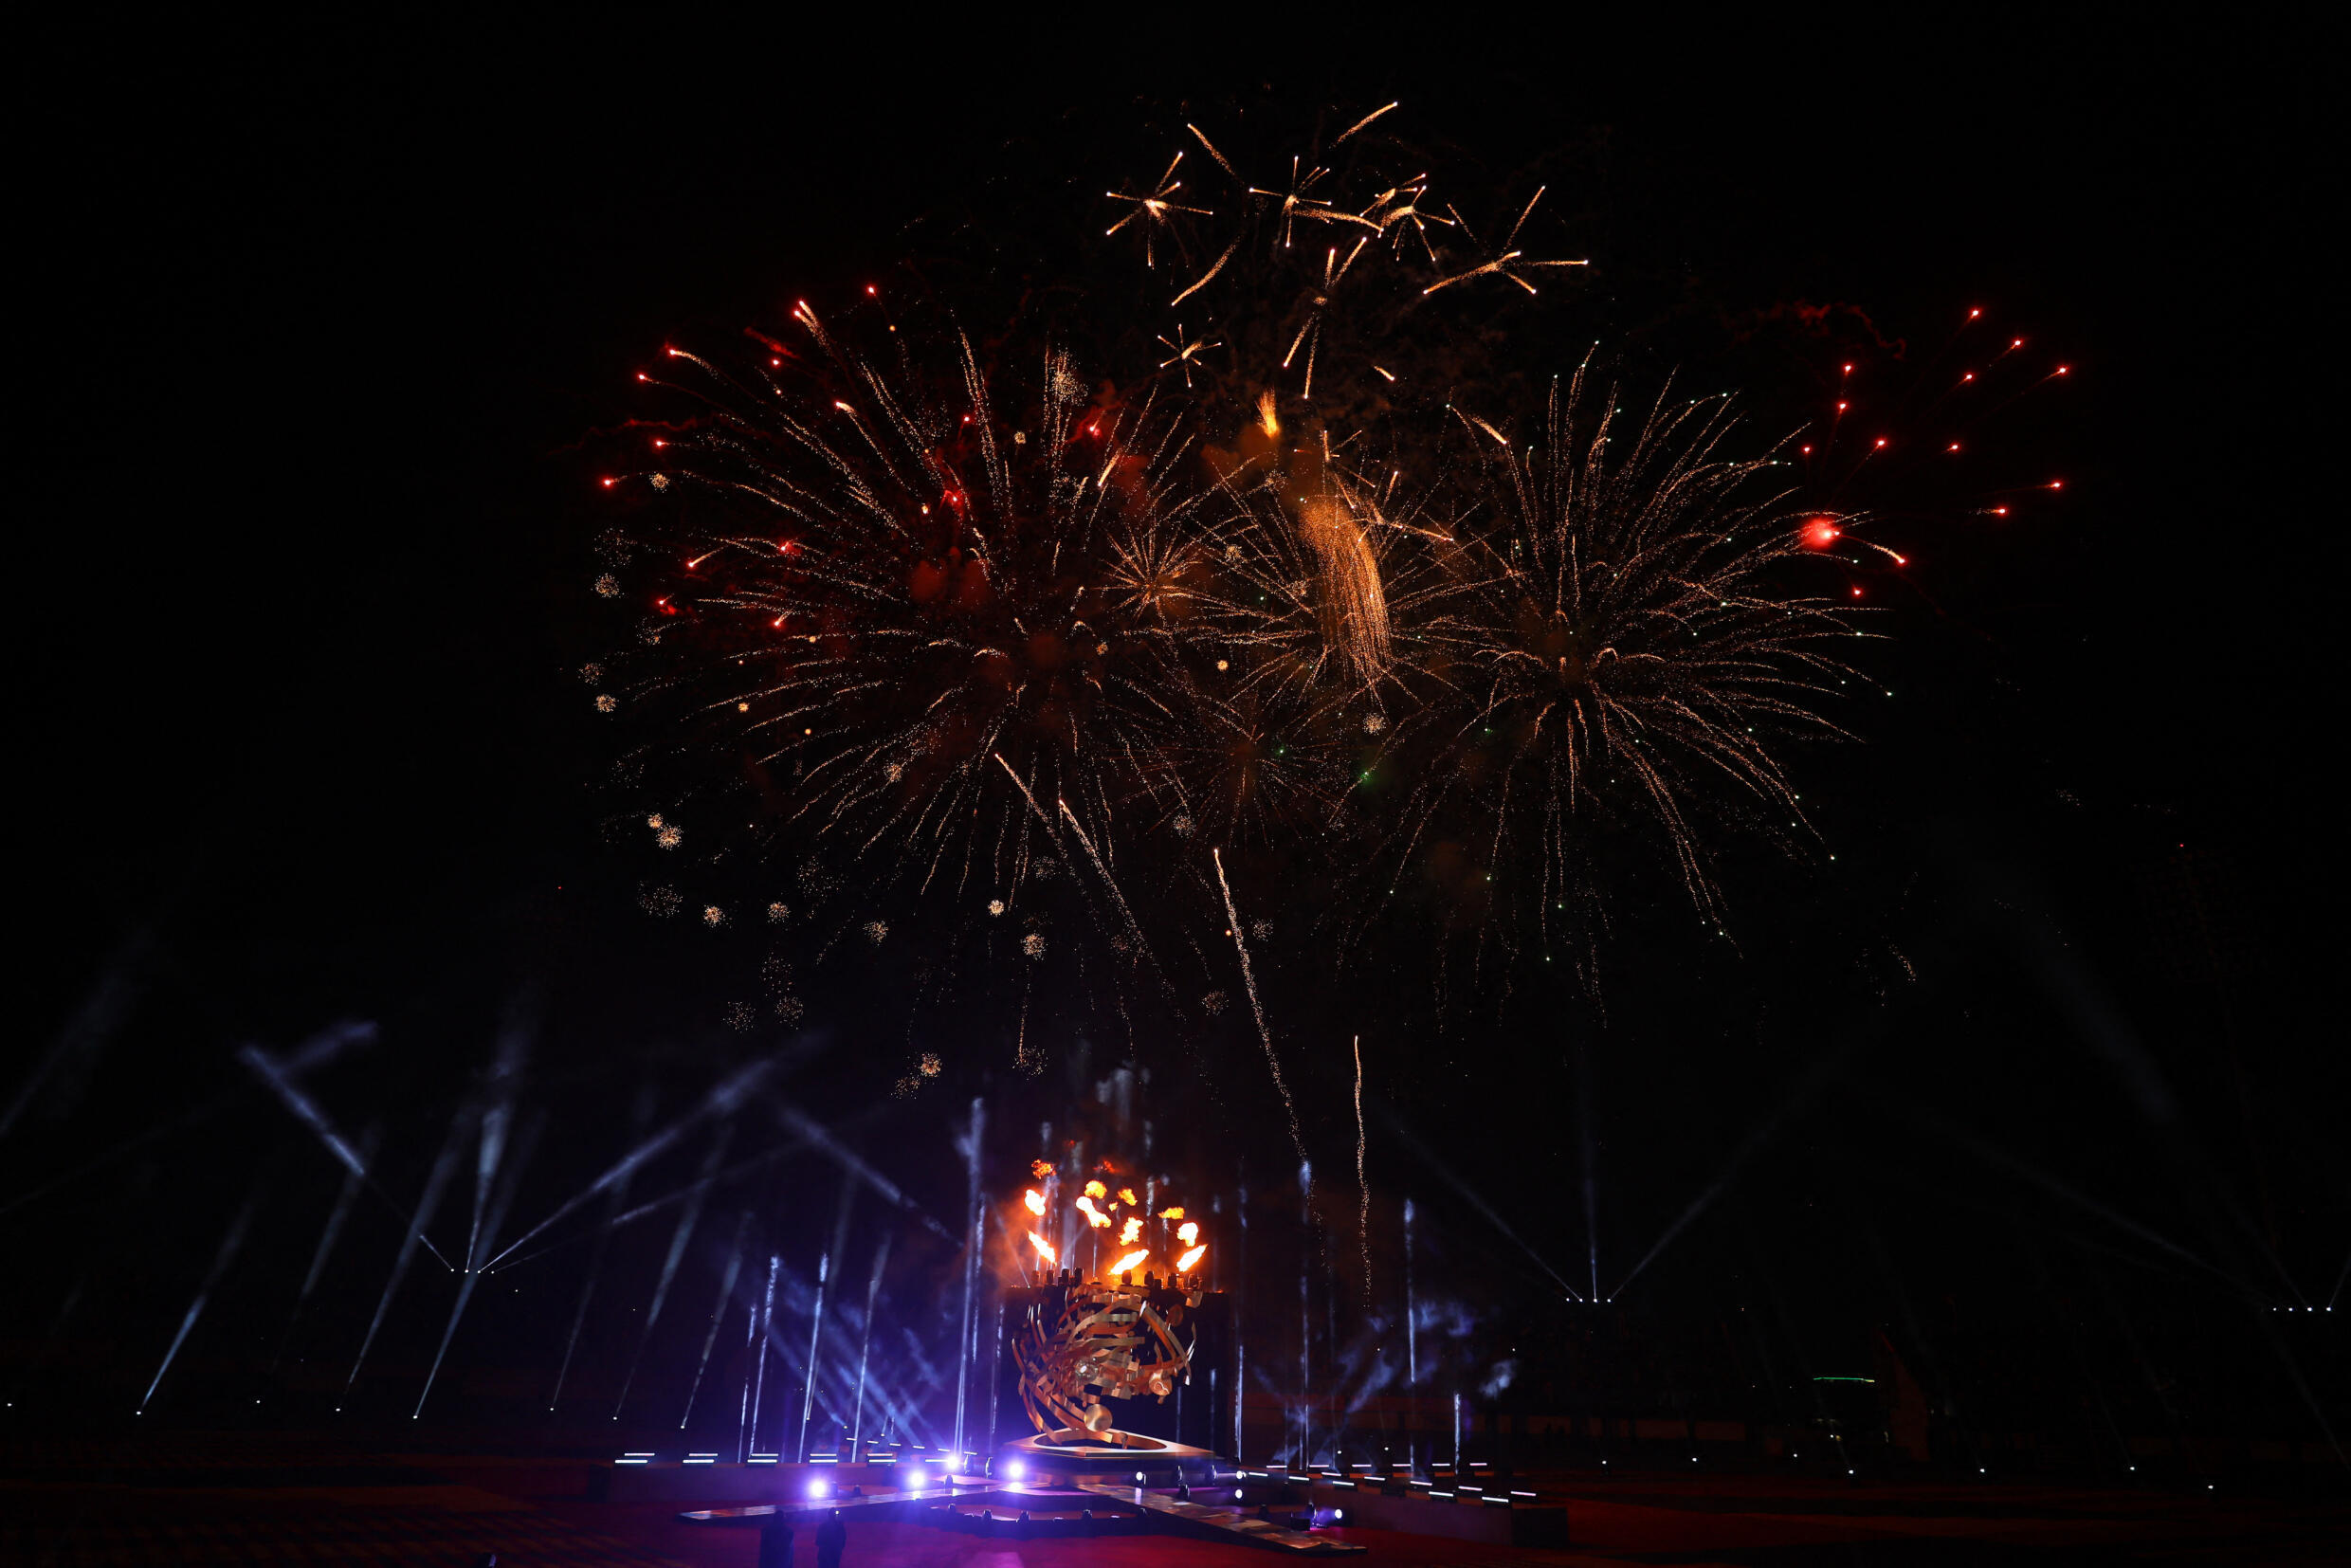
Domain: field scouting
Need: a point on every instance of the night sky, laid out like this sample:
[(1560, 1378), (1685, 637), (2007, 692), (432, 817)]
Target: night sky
[(322, 327)]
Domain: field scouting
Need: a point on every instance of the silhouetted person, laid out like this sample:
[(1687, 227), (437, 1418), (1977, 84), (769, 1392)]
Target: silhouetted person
[(832, 1538), (776, 1542)]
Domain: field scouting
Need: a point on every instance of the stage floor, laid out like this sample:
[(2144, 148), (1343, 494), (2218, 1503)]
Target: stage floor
[(243, 1498)]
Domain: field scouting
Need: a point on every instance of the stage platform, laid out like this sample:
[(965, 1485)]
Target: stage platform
[(246, 1497)]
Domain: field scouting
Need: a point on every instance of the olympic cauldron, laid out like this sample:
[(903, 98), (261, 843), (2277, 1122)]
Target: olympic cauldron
[(1118, 1375)]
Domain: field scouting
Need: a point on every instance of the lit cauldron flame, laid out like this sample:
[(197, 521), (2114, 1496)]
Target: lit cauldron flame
[(1112, 1336), (1102, 1208)]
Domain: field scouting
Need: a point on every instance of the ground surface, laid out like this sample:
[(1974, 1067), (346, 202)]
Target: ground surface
[(245, 1499)]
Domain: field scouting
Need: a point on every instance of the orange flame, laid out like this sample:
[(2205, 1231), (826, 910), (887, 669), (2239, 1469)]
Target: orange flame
[(1044, 1248), (1188, 1232), (1039, 1169), (1185, 1264), (1034, 1199), (1128, 1262), (1265, 420), (1095, 1189), (1126, 1194), (1177, 1212), (1128, 1231), (1094, 1216)]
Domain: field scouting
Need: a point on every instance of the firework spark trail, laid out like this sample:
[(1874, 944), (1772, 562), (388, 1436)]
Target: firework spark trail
[(712, 1159), (1362, 1172), (1134, 926), (1210, 273), (1361, 123), (1268, 286), (718, 1314), (1355, 602), (1232, 918), (436, 1182), (231, 1241)]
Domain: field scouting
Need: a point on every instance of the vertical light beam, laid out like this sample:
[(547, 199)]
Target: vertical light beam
[(718, 1314), (230, 1242), (436, 1182)]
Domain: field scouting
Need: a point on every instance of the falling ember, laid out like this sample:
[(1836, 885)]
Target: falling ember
[(1819, 534), (1353, 602), (1036, 1201), (1187, 1232), (1129, 1260), (1265, 420), (1044, 1248), (1191, 1260)]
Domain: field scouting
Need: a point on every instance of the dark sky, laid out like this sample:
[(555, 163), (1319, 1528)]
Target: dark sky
[(320, 319)]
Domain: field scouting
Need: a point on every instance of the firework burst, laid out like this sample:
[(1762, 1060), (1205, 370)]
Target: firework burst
[(939, 637), (1621, 645), (958, 626), (1308, 264), (1918, 444)]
